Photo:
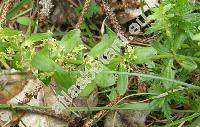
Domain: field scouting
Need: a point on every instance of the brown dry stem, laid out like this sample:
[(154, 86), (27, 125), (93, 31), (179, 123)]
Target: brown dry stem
[(4, 10), (112, 17), (90, 122), (83, 13)]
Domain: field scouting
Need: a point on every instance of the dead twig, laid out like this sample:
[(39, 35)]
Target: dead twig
[(90, 122), (71, 120)]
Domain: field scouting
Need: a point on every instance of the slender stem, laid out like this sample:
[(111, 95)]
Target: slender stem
[(5, 64), (68, 109), (153, 77), (165, 56)]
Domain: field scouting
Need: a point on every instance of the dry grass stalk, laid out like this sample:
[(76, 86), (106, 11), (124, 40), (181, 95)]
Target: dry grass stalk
[(125, 4), (115, 22), (4, 10), (83, 13), (112, 17)]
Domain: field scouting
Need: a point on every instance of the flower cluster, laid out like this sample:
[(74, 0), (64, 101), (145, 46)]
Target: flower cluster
[(46, 7), (130, 54), (89, 74)]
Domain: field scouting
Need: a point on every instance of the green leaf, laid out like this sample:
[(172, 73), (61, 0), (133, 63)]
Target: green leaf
[(194, 18), (196, 37), (93, 9), (105, 80), (182, 120), (70, 40), (15, 9), (113, 64), (144, 54), (178, 41), (166, 110), (25, 21), (168, 72), (187, 63), (88, 89), (136, 106), (167, 7), (45, 51), (38, 37), (122, 83), (9, 32), (3, 46), (160, 48), (43, 63), (113, 95), (106, 42), (196, 122), (64, 79)]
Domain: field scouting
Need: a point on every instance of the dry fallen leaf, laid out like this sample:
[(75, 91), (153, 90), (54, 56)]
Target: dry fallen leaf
[(126, 118), (32, 92), (45, 98), (10, 86)]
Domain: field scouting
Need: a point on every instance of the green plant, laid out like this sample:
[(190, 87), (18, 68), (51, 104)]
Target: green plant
[(169, 62), (176, 22)]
